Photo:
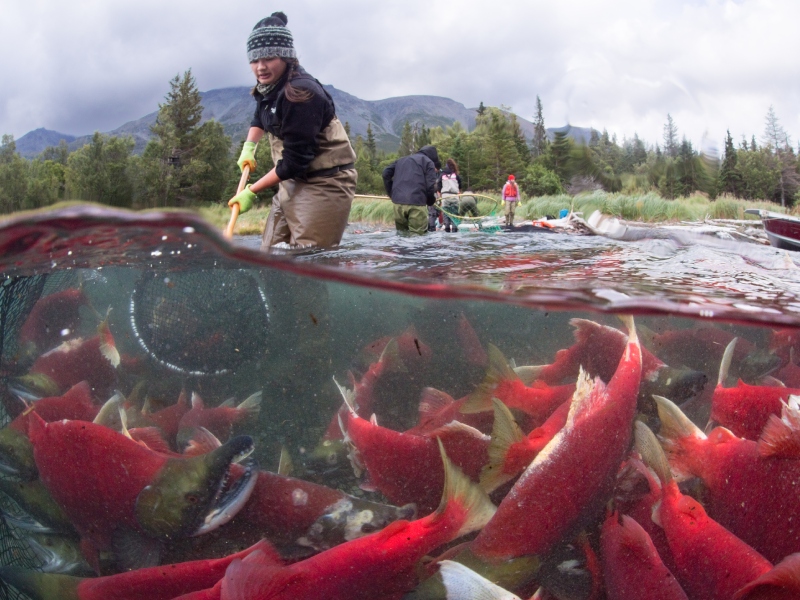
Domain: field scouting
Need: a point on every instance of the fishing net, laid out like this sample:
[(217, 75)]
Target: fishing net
[(488, 223), (200, 323), (17, 297)]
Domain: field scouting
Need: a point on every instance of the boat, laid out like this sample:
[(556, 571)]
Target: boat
[(782, 230)]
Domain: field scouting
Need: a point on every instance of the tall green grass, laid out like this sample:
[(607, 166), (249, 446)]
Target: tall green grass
[(645, 208)]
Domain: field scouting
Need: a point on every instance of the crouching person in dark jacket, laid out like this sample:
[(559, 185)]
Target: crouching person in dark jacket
[(411, 184)]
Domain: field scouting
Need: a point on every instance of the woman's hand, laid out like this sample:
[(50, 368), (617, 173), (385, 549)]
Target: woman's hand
[(244, 199), (248, 156)]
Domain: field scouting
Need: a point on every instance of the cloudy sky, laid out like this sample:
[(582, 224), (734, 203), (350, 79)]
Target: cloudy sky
[(622, 65)]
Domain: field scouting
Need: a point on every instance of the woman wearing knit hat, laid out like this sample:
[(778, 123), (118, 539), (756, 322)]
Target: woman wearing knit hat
[(314, 160)]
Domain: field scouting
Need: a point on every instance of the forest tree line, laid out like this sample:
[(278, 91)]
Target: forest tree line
[(187, 163)]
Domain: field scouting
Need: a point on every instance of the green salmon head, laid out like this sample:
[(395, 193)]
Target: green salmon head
[(189, 495), (16, 455), (328, 457)]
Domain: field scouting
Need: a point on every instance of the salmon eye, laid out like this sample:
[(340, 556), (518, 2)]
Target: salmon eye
[(192, 499), (331, 459)]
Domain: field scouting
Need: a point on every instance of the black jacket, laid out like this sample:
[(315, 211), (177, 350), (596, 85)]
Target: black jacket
[(412, 179), (297, 124)]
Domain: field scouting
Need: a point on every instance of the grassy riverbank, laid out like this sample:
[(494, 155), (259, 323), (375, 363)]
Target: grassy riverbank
[(644, 208)]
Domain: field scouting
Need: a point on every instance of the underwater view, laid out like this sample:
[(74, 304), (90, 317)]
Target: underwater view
[(484, 416)]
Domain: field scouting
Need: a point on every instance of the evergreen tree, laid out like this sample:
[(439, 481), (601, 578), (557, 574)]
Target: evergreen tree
[(560, 151), (184, 162), (98, 172), (670, 138), (13, 176), (406, 141), (539, 140), (729, 177), (523, 150), (481, 109), (423, 137), (347, 129), (371, 146)]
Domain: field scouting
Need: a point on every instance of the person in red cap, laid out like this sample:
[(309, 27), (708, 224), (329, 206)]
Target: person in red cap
[(510, 197)]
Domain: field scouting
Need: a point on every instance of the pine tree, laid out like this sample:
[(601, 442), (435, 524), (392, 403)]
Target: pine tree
[(481, 109), (560, 150), (184, 162), (371, 146), (670, 138), (347, 129), (729, 178), (406, 141), (539, 140)]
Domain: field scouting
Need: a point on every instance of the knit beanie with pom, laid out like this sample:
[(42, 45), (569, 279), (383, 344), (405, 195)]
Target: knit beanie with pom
[(270, 39)]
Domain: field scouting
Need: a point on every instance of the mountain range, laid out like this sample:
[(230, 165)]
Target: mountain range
[(233, 108)]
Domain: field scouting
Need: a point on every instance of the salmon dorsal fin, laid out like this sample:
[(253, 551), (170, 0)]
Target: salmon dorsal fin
[(587, 392), (391, 357), (255, 576), (197, 401), (109, 414), (456, 429), (201, 441), (459, 489), (432, 402), (462, 582), (505, 433), (349, 396), (229, 403), (498, 370)]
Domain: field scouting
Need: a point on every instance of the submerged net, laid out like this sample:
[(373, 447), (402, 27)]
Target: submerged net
[(200, 322), (17, 297), (488, 223)]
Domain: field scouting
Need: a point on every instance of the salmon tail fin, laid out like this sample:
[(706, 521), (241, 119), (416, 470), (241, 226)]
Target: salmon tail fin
[(461, 491), (647, 445), (41, 586), (529, 373), (107, 346), (391, 358), (780, 437), (725, 365), (498, 370), (431, 402), (676, 429), (251, 405), (505, 433), (255, 576), (285, 465), (461, 582)]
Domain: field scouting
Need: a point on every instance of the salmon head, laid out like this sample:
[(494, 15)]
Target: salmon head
[(191, 496)]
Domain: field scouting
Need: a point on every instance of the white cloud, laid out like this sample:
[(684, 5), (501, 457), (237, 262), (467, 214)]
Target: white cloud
[(712, 64)]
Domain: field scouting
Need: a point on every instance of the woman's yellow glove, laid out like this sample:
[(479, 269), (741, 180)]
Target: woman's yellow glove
[(247, 157), (244, 199)]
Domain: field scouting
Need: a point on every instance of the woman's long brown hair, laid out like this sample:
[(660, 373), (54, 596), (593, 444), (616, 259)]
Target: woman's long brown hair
[(451, 164), (292, 93)]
